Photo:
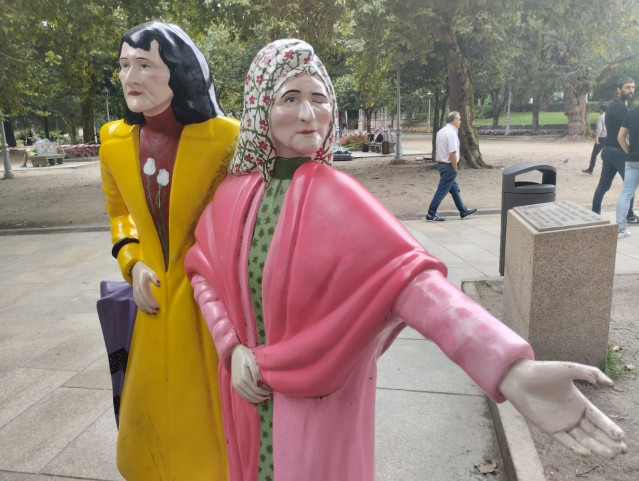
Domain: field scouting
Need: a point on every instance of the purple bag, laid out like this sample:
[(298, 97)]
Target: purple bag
[(117, 311)]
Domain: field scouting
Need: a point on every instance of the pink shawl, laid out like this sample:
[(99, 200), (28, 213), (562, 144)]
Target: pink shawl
[(337, 263)]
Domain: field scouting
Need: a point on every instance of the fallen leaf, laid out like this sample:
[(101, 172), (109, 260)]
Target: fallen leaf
[(487, 466), (616, 348), (630, 367)]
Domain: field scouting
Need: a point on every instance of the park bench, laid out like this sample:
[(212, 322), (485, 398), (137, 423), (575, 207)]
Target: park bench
[(46, 159), (377, 147)]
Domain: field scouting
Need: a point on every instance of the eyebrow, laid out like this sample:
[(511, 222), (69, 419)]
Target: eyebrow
[(136, 58), (296, 91)]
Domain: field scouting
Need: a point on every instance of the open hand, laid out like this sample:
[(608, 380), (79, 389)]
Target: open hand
[(545, 394)]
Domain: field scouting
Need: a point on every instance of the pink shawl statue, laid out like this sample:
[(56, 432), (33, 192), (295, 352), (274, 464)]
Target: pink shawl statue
[(337, 288)]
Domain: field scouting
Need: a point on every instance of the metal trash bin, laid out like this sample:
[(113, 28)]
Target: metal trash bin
[(515, 194), (385, 147), (364, 147)]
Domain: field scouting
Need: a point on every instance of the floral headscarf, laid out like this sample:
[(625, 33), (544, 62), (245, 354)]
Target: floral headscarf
[(271, 68)]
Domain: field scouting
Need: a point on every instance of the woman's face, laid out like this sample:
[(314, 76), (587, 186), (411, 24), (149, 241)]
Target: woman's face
[(300, 117), (145, 80)]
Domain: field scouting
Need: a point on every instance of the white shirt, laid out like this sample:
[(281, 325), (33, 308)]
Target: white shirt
[(601, 125), (447, 141)]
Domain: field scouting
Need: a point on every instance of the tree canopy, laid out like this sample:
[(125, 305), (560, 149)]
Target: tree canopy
[(57, 56)]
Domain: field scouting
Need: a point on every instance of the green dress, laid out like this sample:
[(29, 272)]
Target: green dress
[(267, 215)]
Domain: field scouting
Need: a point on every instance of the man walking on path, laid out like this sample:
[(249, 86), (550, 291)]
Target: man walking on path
[(613, 157), (447, 156), (600, 138), (629, 141)]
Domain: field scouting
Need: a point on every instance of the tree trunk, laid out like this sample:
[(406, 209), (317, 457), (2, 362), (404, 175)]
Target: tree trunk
[(47, 130), (87, 119), (577, 112), (9, 134), (460, 89), (73, 138), (439, 107), (535, 112), (496, 107)]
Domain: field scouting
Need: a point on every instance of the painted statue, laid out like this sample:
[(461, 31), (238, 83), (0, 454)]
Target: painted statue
[(305, 279), (160, 167)]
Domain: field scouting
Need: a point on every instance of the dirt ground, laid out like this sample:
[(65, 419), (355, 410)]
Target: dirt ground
[(53, 197), (620, 403), (46, 197)]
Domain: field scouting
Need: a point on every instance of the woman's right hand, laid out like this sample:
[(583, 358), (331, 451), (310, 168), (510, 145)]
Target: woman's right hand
[(142, 275), (246, 377)]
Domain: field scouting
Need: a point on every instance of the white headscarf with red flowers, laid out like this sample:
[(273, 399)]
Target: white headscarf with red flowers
[(271, 68)]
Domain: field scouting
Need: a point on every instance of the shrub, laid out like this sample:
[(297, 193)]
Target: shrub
[(80, 150), (517, 132), (354, 141)]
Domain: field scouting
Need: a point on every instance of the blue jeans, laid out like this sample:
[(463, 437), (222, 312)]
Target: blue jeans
[(613, 162), (447, 184), (630, 184)]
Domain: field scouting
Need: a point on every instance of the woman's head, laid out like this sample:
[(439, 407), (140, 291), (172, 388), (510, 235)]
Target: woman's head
[(286, 85), (194, 98)]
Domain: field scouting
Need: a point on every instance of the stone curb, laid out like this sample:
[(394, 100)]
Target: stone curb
[(54, 230), (518, 451)]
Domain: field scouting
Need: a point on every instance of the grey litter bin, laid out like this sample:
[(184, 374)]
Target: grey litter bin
[(515, 194), (385, 147)]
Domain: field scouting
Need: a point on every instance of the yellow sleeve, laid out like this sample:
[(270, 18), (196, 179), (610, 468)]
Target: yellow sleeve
[(122, 225)]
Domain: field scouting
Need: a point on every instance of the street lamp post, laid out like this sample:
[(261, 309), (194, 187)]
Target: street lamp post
[(510, 81), (106, 93), (398, 140), (429, 95)]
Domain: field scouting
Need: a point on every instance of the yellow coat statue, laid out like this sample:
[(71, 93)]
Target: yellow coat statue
[(170, 418)]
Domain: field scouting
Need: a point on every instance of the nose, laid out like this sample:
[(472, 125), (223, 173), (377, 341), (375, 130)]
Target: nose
[(130, 76), (306, 112)]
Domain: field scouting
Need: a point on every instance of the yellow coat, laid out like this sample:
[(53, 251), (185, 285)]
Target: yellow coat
[(170, 415)]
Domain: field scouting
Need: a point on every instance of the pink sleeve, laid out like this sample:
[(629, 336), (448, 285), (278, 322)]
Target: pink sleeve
[(214, 313), (469, 335)]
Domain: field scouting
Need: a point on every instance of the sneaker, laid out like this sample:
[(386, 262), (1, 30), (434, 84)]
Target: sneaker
[(434, 218), (587, 171), (624, 233), (633, 220), (468, 213)]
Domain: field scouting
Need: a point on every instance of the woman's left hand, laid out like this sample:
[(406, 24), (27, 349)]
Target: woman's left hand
[(545, 394), (246, 377)]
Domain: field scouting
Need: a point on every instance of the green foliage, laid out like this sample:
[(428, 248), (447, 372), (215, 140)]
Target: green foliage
[(614, 367), (57, 55)]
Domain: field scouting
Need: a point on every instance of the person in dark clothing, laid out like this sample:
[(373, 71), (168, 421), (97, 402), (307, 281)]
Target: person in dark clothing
[(612, 155)]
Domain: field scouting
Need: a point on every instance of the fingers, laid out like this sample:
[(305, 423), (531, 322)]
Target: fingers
[(573, 370), (145, 299), (599, 420), (246, 377), (564, 438), (251, 391), (603, 443), (588, 437), (142, 276)]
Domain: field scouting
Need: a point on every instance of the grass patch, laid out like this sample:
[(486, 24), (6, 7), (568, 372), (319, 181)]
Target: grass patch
[(525, 118), (615, 368)]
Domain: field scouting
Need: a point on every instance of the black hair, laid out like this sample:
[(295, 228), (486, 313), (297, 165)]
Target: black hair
[(624, 80), (194, 99), (603, 108)]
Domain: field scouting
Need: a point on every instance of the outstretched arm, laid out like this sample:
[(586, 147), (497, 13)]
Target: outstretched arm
[(500, 362), (544, 393)]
